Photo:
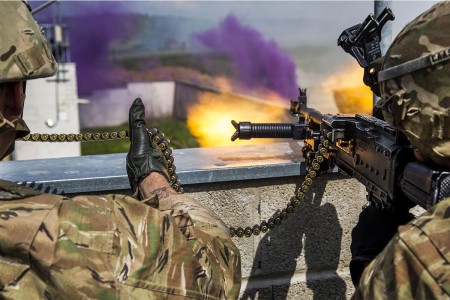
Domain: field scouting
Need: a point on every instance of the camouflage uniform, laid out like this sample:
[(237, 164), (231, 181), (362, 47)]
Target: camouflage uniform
[(414, 265), (415, 87), (92, 247), (109, 247), (51, 248)]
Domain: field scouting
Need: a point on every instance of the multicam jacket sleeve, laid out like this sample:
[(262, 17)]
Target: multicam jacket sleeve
[(416, 262), (112, 247)]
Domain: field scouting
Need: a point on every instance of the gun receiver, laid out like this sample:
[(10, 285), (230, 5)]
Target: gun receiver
[(362, 146)]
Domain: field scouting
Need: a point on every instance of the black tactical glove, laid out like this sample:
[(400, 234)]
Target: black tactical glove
[(374, 230), (144, 156)]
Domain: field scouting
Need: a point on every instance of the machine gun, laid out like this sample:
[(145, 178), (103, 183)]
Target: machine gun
[(362, 146)]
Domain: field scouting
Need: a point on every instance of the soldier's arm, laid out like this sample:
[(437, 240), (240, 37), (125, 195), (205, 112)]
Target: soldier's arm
[(202, 217)]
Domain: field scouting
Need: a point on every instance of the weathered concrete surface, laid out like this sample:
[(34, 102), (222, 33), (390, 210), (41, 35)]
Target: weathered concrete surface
[(307, 257)]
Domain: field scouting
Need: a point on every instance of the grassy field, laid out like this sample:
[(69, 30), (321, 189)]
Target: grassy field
[(175, 130)]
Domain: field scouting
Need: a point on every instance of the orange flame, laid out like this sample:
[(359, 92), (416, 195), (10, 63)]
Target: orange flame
[(350, 93), (210, 119)]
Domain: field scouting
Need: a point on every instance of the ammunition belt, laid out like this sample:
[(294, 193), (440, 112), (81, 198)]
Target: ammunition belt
[(75, 137), (317, 165), (156, 135)]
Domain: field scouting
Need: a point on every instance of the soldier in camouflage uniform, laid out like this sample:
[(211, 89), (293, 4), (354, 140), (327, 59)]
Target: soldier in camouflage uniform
[(415, 87), (167, 246)]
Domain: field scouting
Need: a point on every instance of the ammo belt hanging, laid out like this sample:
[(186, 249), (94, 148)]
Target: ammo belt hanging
[(156, 135), (314, 169), (277, 218), (75, 137)]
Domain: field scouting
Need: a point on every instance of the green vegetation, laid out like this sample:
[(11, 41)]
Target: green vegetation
[(175, 130)]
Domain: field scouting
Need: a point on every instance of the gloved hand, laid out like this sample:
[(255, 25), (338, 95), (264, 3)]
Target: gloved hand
[(374, 230), (144, 156)]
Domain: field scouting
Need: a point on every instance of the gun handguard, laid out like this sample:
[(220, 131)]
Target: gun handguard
[(296, 131), (248, 130)]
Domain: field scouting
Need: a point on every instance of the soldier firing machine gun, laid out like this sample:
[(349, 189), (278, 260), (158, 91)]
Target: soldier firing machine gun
[(362, 146)]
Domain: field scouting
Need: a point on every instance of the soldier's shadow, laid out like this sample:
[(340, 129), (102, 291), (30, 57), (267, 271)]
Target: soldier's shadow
[(313, 228)]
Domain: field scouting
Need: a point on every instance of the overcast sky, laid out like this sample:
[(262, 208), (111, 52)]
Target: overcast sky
[(404, 10), (350, 12), (265, 10), (258, 10), (283, 21)]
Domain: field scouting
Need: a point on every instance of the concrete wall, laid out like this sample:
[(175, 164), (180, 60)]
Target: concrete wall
[(307, 257), (53, 98)]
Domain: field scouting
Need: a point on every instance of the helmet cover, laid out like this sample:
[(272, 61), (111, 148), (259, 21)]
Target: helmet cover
[(417, 99), (24, 52)]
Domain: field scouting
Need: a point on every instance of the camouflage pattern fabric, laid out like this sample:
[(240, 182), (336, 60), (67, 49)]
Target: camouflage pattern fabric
[(419, 103), (24, 52), (415, 264), (112, 247)]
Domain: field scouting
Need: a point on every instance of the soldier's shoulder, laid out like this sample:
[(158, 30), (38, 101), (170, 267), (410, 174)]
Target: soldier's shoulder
[(430, 231), (426, 252), (416, 262), (434, 221)]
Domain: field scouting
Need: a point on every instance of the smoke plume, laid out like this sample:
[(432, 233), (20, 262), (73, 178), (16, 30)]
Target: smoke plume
[(91, 26), (259, 62)]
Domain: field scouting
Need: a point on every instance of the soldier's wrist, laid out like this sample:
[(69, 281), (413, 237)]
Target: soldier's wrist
[(155, 183)]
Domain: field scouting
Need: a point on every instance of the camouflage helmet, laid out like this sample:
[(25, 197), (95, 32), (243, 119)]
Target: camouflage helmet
[(415, 82), (24, 52)]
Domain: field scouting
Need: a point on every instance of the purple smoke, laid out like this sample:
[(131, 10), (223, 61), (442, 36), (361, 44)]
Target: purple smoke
[(259, 63), (91, 27), (90, 36)]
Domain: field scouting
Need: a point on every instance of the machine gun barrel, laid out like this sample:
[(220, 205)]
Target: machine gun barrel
[(248, 130)]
